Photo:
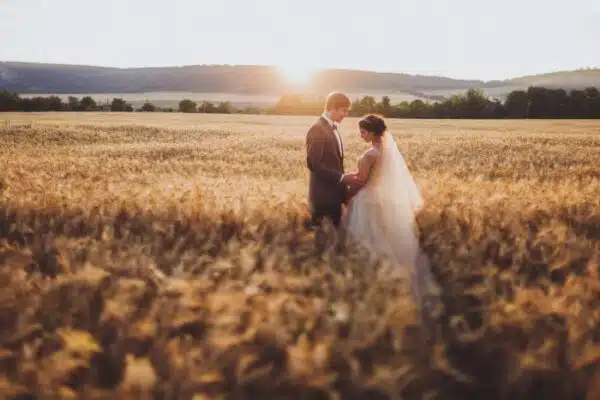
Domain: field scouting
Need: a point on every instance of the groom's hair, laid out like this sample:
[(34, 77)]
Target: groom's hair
[(337, 100)]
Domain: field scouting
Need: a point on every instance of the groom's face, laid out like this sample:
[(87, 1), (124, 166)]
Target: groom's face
[(339, 114)]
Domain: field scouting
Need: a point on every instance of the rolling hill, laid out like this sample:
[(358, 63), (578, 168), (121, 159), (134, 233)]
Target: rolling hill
[(258, 80), (565, 79)]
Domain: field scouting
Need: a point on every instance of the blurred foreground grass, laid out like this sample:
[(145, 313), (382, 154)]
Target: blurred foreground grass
[(165, 256)]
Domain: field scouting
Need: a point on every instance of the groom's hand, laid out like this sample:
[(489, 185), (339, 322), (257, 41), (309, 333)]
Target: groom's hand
[(351, 180), (348, 179)]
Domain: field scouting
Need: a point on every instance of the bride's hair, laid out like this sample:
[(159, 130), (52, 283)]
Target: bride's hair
[(373, 123)]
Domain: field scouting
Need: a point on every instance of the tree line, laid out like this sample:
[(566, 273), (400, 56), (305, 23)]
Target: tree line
[(535, 102), (10, 101)]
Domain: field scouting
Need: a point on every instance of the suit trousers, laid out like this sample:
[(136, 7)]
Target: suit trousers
[(333, 212)]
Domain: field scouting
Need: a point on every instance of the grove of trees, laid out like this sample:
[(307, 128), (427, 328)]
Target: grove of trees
[(535, 102)]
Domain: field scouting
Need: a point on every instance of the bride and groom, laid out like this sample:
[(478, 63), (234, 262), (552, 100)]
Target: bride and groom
[(381, 197)]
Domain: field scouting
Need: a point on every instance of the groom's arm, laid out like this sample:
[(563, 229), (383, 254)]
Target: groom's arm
[(315, 144)]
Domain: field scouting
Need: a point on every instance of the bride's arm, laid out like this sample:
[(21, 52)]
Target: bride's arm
[(364, 168)]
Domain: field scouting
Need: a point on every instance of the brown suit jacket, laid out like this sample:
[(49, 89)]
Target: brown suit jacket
[(326, 165)]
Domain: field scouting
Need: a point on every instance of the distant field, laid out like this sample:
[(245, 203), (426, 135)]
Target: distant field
[(165, 255), (172, 99), (499, 93)]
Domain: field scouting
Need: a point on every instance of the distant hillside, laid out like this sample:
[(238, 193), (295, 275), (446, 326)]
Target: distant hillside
[(56, 78), (577, 79), (356, 81), (256, 80)]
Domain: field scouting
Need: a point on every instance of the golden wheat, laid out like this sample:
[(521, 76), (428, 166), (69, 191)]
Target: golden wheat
[(165, 256)]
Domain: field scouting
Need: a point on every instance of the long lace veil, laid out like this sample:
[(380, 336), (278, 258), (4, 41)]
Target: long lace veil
[(395, 180), (400, 198)]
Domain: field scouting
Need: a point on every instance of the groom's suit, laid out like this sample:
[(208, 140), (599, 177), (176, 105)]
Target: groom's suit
[(325, 160)]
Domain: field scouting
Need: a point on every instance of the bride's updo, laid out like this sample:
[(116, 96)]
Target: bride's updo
[(372, 123)]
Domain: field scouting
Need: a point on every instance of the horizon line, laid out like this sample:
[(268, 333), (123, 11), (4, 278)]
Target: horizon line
[(317, 69)]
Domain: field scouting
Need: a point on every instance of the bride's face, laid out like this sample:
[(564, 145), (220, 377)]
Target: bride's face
[(366, 135)]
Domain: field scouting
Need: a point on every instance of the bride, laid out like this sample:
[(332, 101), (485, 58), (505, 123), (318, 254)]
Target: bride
[(381, 208)]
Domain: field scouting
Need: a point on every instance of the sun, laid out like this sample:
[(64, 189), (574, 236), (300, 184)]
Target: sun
[(297, 74)]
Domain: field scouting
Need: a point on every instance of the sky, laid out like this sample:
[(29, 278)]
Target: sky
[(468, 39)]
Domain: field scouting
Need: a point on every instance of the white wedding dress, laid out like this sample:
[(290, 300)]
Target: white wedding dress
[(381, 217)]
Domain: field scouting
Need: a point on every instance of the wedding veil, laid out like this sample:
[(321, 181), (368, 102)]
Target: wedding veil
[(393, 199), (395, 180)]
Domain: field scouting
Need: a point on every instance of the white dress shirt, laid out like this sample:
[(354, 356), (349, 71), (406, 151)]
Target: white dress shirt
[(337, 134), (335, 131)]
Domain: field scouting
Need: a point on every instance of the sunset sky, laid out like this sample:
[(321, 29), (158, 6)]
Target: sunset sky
[(462, 38)]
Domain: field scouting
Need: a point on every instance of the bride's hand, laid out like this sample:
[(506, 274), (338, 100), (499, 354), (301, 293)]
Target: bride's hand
[(352, 180), (349, 179), (351, 191)]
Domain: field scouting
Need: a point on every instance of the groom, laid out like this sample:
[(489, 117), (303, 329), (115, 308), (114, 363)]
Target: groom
[(325, 160)]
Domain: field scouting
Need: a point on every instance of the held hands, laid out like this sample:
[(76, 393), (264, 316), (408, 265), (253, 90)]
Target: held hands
[(353, 185), (350, 180)]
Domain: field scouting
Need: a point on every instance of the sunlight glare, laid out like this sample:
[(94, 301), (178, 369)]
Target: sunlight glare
[(297, 74)]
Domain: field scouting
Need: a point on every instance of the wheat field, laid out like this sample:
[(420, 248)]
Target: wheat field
[(166, 256)]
